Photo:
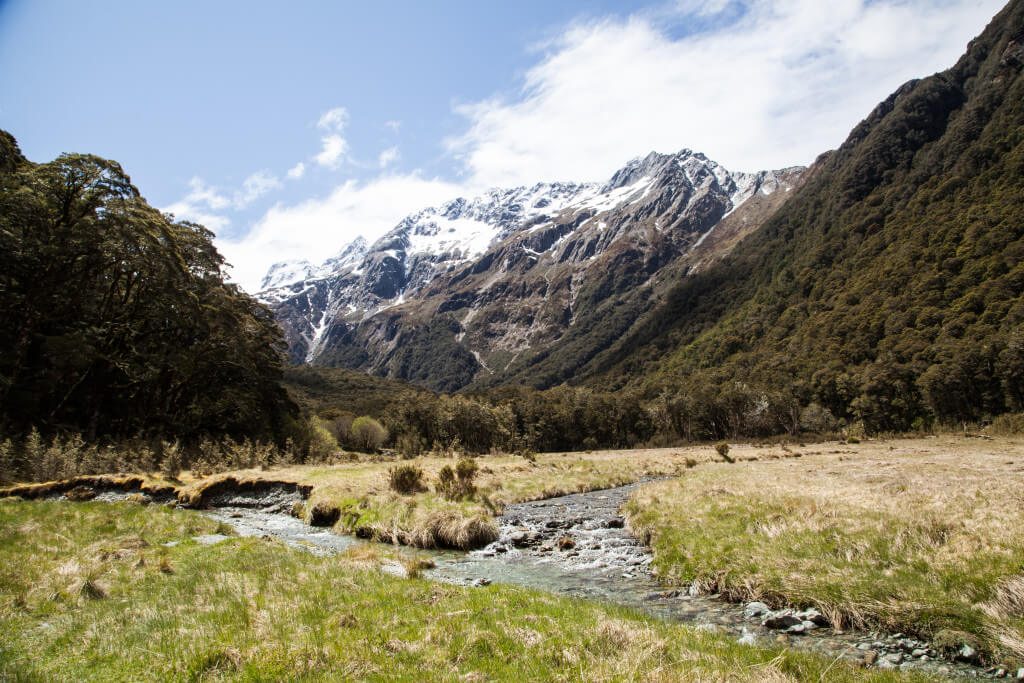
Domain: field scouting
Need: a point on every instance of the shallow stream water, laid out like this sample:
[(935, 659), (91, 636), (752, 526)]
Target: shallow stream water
[(578, 545)]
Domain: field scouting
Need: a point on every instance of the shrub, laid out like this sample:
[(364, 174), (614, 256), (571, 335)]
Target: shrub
[(409, 446), (367, 434), (723, 450), (322, 444), (1008, 424), (406, 479), (456, 484), (446, 485), (8, 462), (818, 419), (172, 463), (466, 469)]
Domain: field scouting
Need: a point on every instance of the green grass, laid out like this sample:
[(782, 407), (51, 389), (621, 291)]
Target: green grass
[(89, 592), (924, 545)]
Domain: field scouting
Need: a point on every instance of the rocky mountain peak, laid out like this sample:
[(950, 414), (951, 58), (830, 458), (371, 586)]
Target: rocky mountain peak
[(484, 280)]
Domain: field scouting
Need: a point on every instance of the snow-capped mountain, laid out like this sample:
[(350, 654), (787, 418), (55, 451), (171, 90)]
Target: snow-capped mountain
[(474, 288)]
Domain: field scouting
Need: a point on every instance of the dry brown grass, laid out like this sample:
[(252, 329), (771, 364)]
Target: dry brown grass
[(913, 535)]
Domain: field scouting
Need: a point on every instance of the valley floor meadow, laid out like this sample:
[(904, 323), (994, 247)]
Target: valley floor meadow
[(924, 536)]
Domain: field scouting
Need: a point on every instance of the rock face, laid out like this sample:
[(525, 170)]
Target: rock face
[(473, 290)]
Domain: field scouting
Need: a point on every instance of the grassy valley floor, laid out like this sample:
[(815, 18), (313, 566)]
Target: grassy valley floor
[(123, 592), (923, 536), (920, 536)]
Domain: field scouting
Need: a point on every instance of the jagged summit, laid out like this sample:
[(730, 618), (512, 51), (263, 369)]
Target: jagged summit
[(491, 280)]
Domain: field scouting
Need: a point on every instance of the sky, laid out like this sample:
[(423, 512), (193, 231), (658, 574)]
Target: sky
[(289, 129)]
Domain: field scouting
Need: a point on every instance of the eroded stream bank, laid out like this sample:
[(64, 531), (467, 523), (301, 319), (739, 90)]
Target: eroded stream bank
[(578, 546)]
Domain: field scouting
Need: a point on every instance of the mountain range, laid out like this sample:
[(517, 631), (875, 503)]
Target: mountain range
[(883, 285), (474, 290)]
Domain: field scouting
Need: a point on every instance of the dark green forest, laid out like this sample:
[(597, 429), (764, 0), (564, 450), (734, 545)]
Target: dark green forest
[(887, 291), (117, 320)]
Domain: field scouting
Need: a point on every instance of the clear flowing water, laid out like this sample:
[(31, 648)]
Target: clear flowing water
[(578, 546)]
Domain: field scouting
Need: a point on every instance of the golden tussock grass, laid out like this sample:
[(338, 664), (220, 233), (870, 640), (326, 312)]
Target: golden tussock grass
[(915, 535)]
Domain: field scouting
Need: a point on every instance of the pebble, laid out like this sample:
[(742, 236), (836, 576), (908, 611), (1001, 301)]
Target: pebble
[(890, 661), (755, 609), (747, 638), (967, 653), (1020, 674), (780, 620)]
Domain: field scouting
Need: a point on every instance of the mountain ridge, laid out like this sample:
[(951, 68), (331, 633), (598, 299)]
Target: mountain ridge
[(433, 274)]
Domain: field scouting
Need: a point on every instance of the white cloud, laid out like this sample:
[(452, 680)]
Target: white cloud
[(254, 187), (203, 204), (388, 157), (333, 149), (333, 119), (183, 210), (394, 125), (206, 204), (296, 171), (333, 145), (775, 88), (201, 193), (318, 228)]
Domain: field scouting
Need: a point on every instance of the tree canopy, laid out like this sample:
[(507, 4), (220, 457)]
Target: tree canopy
[(117, 320)]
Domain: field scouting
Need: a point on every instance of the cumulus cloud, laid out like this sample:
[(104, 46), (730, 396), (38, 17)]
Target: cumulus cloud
[(297, 171), (254, 187), (318, 228), (203, 204), (755, 84), (387, 157), (206, 204), (333, 145), (769, 86)]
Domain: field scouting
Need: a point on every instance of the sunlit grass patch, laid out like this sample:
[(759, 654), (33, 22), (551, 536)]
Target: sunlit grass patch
[(253, 609), (912, 540)]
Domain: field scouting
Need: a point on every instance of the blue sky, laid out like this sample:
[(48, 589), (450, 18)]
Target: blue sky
[(290, 128)]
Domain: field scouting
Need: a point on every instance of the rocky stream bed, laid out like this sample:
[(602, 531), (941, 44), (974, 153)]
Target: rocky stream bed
[(578, 545)]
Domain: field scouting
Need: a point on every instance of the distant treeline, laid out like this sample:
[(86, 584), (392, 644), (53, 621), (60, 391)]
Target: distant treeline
[(565, 418)]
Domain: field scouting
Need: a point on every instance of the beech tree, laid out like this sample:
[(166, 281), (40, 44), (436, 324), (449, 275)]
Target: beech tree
[(117, 319)]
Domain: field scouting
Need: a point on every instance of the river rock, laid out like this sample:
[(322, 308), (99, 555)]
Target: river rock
[(783, 619), (967, 654), (615, 523), (481, 582), (890, 661), (747, 638), (80, 493), (812, 615), (755, 609), (1020, 674)]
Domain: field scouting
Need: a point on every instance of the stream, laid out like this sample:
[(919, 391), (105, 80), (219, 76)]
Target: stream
[(578, 545)]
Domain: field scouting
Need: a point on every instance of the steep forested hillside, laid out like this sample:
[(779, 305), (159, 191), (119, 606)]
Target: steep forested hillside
[(887, 289), (117, 321)]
